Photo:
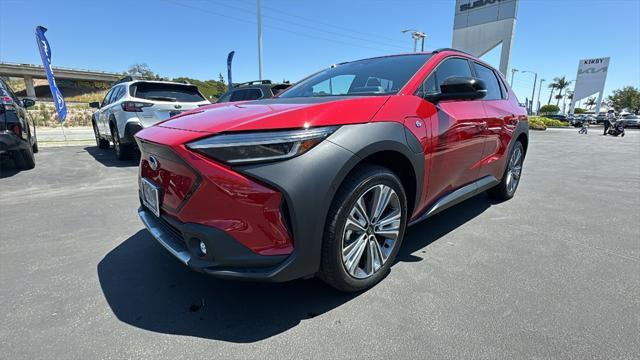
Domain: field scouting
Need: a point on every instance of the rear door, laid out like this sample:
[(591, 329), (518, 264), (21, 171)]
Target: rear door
[(165, 99), (501, 122), (456, 133)]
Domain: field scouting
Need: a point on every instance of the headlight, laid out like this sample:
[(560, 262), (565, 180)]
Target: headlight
[(254, 147)]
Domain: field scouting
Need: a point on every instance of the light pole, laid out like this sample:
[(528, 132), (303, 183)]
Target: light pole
[(539, 90), (533, 92), (259, 14), (416, 35), (513, 71)]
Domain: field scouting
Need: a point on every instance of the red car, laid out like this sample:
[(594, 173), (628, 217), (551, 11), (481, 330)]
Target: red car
[(324, 179)]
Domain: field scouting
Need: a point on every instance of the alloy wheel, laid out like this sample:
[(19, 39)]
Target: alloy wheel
[(515, 169), (371, 231)]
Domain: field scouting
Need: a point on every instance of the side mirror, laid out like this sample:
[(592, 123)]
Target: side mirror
[(459, 88), (94, 104), (26, 103)]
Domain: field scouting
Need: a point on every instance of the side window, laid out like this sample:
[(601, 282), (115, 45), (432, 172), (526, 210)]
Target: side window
[(238, 95), (105, 101), (225, 97), (452, 67), (493, 88), (118, 95), (253, 94)]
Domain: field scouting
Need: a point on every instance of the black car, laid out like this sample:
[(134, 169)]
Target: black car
[(17, 130), (253, 90)]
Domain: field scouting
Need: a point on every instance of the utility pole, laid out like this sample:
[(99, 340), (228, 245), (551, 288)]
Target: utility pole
[(259, 14), (539, 90)]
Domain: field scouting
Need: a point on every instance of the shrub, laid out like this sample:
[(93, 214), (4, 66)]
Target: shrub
[(547, 122), (536, 124), (579, 110), (549, 109)]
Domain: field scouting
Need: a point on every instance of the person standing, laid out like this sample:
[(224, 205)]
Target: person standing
[(608, 121)]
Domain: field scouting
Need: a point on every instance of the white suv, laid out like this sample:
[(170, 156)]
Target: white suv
[(132, 105)]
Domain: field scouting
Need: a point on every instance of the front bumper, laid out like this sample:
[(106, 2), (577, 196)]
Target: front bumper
[(225, 256)]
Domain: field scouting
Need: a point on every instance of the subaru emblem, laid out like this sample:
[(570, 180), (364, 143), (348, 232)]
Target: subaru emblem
[(153, 163), (177, 106)]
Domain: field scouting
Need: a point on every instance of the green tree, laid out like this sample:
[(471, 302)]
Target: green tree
[(559, 83), (591, 102), (549, 109), (627, 98), (552, 86), (579, 110), (143, 71)]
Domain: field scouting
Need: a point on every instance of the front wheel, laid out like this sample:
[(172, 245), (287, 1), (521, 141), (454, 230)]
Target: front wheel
[(100, 142), (364, 229), (511, 178)]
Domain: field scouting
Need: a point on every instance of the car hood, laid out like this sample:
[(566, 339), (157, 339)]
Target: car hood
[(278, 113)]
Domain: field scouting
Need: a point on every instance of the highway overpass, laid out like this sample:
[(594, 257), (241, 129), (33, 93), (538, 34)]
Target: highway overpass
[(29, 72)]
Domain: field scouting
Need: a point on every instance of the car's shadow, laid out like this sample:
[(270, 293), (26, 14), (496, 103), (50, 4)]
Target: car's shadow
[(107, 157), (147, 288)]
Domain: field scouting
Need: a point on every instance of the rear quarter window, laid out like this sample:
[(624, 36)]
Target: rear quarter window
[(166, 92)]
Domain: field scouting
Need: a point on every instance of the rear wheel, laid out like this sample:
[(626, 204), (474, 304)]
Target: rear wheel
[(511, 178), (123, 151), (364, 229)]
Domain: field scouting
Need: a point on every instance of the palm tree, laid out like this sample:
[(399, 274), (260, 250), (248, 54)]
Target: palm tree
[(561, 84), (591, 102), (552, 86)]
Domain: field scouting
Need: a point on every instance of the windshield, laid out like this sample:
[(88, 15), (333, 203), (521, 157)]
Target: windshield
[(378, 76)]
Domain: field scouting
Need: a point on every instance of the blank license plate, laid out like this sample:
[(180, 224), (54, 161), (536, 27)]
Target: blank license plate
[(151, 196)]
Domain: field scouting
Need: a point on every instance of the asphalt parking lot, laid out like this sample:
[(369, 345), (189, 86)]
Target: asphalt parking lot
[(553, 273)]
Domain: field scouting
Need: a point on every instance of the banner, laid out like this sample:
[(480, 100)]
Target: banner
[(229, 60), (45, 54), (591, 77)]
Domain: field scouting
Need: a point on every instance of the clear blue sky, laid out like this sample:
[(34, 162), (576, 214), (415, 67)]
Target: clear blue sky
[(192, 37)]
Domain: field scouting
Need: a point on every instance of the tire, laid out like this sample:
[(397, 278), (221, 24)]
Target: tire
[(364, 263), (100, 142), (24, 159), (34, 147), (123, 151), (512, 172)]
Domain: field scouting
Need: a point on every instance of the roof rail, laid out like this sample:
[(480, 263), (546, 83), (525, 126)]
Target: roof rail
[(126, 79), (254, 82), (450, 49)]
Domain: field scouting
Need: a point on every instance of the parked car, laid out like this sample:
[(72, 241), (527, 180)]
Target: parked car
[(630, 120), (17, 129), (324, 179), (132, 105), (560, 117), (600, 118), (253, 90)]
